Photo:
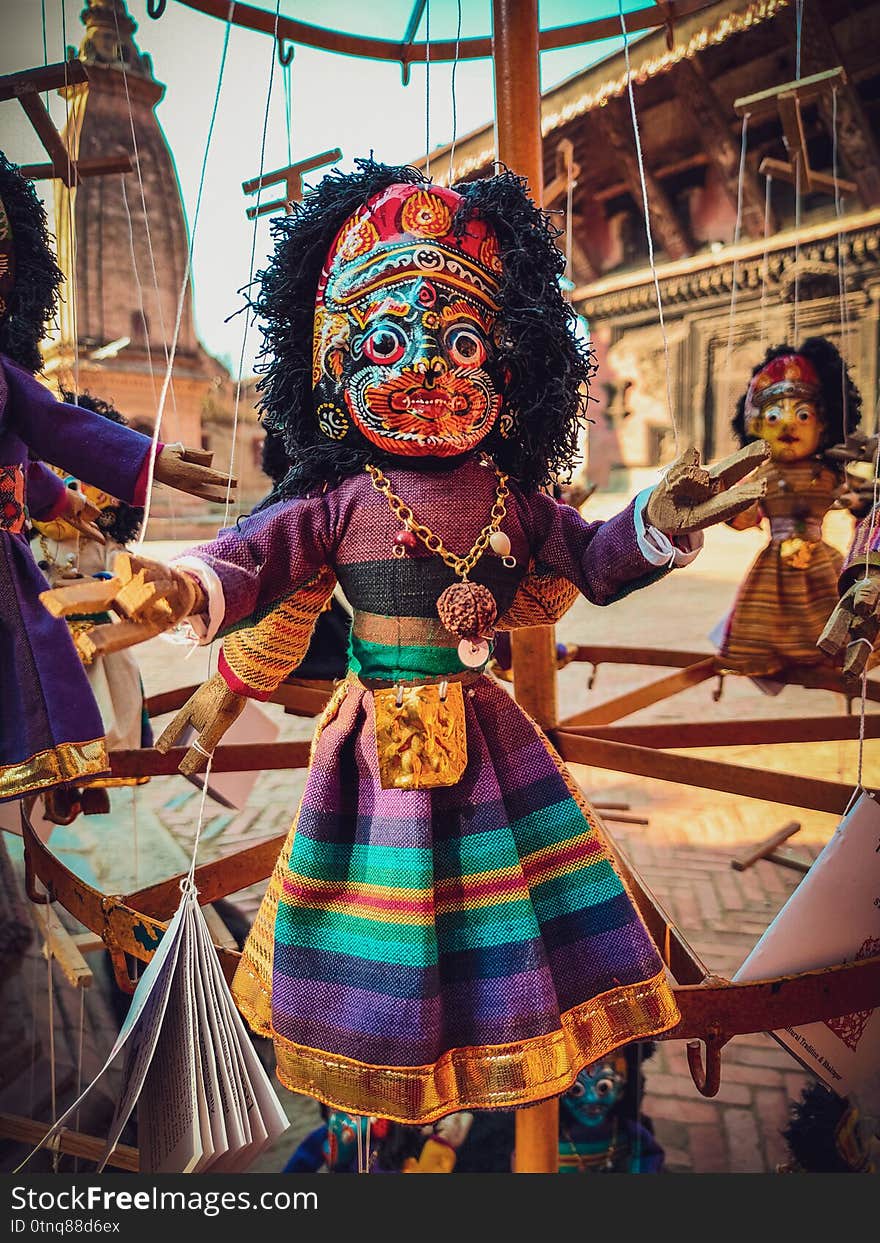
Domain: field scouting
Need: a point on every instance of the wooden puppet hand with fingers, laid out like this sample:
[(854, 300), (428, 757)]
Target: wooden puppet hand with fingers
[(149, 596), (852, 627), (210, 712), (189, 470), (690, 497)]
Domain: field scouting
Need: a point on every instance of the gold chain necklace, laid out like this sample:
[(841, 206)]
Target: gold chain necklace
[(467, 610), (461, 565)]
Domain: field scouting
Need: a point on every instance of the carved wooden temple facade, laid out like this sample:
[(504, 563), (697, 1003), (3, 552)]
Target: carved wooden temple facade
[(786, 264)]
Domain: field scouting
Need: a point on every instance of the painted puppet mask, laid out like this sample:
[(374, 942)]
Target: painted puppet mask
[(403, 327), (595, 1092), (783, 408)]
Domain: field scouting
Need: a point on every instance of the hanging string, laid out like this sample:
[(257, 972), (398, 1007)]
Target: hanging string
[(248, 319), (728, 364), (51, 1004), (138, 285), (137, 164), (765, 270), (45, 43), (647, 214), (799, 21), (187, 273), (454, 100), (569, 223), (286, 72), (71, 230), (428, 88), (841, 261), (79, 1062)]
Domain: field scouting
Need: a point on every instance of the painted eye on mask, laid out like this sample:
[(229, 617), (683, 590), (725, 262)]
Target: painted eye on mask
[(604, 1087), (466, 348), (804, 414), (772, 416), (385, 345), (577, 1090)]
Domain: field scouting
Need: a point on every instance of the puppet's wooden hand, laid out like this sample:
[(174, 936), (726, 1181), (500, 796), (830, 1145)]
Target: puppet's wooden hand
[(852, 627), (690, 497), (82, 516), (189, 470), (210, 712), (149, 596)]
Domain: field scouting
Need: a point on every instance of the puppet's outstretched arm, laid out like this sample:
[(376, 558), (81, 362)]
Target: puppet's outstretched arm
[(254, 661)]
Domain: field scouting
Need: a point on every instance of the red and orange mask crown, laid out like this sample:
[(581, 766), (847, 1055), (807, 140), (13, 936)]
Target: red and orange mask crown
[(403, 232), (790, 375)]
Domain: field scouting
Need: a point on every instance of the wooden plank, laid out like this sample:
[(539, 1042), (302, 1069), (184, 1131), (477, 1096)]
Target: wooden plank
[(690, 734), (643, 696), (71, 1143), (85, 168), (58, 942), (235, 758), (765, 848), (802, 88), (43, 78), (614, 654), (48, 135), (830, 796)]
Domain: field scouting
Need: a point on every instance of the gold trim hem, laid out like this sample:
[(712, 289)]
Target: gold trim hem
[(489, 1077), (69, 761)]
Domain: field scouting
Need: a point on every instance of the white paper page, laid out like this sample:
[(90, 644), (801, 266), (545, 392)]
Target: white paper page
[(211, 1115), (266, 1105), (833, 916), (168, 1114), (228, 1055), (144, 1023), (252, 1134)]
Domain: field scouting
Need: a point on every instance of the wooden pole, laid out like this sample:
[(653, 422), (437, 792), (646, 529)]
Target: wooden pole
[(518, 139)]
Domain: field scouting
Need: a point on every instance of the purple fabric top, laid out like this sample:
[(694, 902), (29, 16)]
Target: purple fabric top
[(34, 424), (351, 528), (866, 542), (46, 492)]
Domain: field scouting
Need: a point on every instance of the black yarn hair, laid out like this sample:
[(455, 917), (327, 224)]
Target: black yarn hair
[(841, 400), (33, 300), (540, 368), (811, 1134), (121, 521)]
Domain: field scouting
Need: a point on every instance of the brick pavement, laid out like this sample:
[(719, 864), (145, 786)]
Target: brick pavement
[(684, 853)]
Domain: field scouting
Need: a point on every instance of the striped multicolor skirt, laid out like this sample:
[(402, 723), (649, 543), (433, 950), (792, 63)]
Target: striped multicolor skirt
[(469, 947), (781, 609)]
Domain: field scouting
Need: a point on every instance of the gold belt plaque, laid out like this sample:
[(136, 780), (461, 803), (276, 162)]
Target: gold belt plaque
[(420, 736)]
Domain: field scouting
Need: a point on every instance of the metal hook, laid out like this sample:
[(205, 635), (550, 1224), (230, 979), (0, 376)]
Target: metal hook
[(285, 52), (155, 8), (30, 883), (716, 694), (120, 970), (592, 678), (707, 1080)]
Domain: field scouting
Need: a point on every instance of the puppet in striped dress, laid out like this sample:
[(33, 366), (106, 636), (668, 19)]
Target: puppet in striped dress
[(446, 928), (801, 402)]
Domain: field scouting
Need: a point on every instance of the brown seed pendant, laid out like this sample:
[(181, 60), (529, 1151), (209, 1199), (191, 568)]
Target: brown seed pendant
[(467, 610)]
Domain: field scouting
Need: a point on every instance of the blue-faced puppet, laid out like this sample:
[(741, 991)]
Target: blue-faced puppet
[(446, 929)]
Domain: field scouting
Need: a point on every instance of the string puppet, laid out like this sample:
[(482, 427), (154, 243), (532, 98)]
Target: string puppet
[(800, 401), (114, 678), (445, 929), (51, 732)]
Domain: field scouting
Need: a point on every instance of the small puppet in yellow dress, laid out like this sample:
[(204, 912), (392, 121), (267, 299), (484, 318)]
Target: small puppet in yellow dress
[(801, 402)]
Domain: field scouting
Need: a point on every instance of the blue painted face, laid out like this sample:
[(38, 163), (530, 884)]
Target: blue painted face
[(341, 1144), (595, 1092)]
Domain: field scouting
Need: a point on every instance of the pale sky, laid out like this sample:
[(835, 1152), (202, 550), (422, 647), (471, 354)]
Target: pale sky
[(351, 103)]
